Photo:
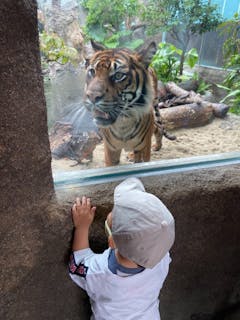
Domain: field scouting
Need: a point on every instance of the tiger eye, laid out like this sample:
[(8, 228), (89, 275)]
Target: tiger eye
[(118, 76), (91, 72)]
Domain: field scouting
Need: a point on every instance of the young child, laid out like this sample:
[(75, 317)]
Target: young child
[(124, 281)]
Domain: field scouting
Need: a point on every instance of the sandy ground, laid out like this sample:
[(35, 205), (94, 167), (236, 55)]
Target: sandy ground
[(220, 136)]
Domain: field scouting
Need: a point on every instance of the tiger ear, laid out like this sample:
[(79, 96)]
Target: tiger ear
[(147, 53), (97, 46), (87, 62)]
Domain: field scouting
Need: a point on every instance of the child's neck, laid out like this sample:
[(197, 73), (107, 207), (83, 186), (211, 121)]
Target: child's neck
[(124, 261)]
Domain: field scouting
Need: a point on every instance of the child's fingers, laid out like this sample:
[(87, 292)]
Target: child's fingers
[(84, 201), (89, 203), (73, 208), (93, 209), (78, 202)]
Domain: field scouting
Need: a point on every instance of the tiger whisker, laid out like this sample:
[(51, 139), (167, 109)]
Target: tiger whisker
[(125, 114)]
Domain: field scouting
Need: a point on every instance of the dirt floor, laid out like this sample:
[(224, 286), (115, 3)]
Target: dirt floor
[(220, 136)]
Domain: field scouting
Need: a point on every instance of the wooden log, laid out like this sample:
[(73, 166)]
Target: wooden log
[(187, 116), (176, 101), (60, 137), (66, 143), (220, 109), (162, 90), (176, 90), (182, 96)]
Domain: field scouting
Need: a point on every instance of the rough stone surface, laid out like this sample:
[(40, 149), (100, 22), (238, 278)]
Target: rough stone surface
[(25, 157), (65, 23), (203, 282), (26, 182)]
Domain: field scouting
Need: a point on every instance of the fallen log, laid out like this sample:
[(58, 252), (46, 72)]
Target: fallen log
[(65, 142), (186, 116), (176, 101), (162, 90), (182, 96), (220, 109), (176, 90)]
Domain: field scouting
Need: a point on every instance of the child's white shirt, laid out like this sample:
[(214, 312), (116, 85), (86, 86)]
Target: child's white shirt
[(113, 297)]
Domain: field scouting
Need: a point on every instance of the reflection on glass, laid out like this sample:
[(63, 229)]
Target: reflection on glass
[(189, 98)]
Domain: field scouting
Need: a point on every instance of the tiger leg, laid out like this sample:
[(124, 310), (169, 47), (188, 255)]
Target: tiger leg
[(137, 156), (144, 155), (158, 134), (112, 157), (130, 156)]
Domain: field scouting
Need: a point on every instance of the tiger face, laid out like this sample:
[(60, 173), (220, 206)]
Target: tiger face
[(118, 84)]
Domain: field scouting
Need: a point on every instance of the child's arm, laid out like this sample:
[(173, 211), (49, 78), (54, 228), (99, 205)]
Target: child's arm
[(83, 215)]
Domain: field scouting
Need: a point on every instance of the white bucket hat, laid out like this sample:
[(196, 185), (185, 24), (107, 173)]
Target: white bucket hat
[(142, 227)]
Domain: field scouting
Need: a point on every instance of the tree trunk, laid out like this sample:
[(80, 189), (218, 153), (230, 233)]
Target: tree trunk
[(24, 145), (181, 62), (26, 184)]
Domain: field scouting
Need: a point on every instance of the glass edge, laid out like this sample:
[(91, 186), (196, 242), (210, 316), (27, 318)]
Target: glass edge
[(79, 178)]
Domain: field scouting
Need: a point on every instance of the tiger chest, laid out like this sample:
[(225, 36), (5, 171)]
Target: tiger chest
[(128, 133)]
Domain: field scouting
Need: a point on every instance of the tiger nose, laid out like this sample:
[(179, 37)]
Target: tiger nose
[(95, 96)]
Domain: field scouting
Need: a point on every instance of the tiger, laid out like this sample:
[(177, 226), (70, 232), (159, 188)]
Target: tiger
[(121, 94)]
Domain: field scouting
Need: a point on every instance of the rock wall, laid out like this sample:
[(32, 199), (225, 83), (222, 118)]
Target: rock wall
[(26, 183), (203, 282), (66, 23)]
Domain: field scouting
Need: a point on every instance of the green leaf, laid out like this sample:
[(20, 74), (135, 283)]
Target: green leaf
[(191, 57), (133, 45), (234, 93), (223, 87)]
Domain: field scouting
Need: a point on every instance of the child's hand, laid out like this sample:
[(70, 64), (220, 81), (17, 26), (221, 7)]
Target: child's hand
[(82, 213)]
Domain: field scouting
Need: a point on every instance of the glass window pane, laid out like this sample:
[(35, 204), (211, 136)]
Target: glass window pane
[(230, 8), (77, 141)]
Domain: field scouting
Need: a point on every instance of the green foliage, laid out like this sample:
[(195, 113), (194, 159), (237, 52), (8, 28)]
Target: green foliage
[(166, 62), (117, 39), (83, 3), (191, 57), (109, 14), (203, 86), (231, 53), (182, 18), (53, 48), (198, 16), (133, 44), (110, 21), (231, 30), (232, 85)]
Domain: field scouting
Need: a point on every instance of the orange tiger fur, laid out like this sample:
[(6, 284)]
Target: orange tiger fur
[(120, 92)]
